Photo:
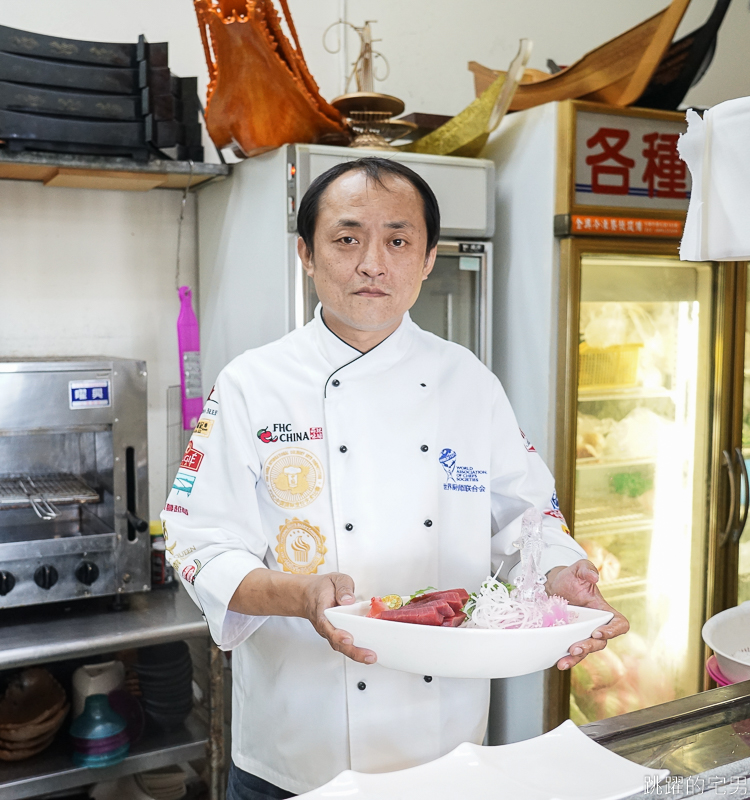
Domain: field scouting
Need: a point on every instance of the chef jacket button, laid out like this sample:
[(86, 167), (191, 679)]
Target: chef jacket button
[(349, 526), (425, 448), (342, 449), (428, 523), (335, 382), (428, 678), (361, 686)]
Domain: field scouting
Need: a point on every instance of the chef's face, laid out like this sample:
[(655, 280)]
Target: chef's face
[(369, 251)]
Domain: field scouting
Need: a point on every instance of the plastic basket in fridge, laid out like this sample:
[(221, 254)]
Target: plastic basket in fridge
[(608, 367)]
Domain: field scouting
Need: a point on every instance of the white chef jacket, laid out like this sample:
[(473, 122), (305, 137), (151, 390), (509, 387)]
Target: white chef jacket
[(403, 467)]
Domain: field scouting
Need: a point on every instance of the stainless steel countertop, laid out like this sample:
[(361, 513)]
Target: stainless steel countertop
[(42, 634)]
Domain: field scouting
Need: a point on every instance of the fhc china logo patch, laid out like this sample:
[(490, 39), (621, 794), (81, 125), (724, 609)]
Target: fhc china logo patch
[(282, 432)]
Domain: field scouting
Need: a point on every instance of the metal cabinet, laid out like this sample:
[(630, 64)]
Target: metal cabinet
[(152, 618)]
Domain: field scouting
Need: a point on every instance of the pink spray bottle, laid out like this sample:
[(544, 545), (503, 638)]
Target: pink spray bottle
[(188, 341)]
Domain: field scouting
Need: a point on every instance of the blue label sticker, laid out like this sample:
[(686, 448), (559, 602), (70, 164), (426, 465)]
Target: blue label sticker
[(89, 394), (184, 482)]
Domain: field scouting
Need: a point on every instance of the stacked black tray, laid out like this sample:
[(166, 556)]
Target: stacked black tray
[(95, 98)]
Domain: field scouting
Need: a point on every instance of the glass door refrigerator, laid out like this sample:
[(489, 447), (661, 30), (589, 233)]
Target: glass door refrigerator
[(625, 366)]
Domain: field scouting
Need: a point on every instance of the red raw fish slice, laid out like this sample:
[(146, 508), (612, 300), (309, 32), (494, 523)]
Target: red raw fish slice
[(459, 596), (455, 621), (420, 616), (444, 608), (452, 598)]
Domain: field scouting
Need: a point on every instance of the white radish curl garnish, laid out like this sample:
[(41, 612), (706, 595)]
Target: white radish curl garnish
[(527, 605)]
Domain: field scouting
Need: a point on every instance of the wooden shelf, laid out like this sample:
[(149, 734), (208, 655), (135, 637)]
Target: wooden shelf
[(603, 463), (100, 172)]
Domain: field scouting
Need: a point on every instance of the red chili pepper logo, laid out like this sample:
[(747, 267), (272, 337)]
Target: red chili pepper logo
[(266, 436)]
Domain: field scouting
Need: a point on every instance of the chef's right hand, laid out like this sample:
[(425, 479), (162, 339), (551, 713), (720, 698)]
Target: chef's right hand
[(327, 591)]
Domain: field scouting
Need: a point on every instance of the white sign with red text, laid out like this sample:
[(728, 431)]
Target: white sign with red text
[(629, 162)]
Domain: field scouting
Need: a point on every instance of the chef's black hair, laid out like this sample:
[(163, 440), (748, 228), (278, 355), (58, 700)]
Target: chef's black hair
[(376, 169)]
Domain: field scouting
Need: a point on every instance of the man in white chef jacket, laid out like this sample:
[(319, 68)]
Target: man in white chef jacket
[(354, 457)]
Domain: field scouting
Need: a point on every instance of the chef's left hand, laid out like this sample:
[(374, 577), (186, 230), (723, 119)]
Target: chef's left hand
[(577, 584)]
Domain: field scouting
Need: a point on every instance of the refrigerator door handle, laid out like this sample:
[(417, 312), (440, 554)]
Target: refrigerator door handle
[(737, 534), (732, 497)]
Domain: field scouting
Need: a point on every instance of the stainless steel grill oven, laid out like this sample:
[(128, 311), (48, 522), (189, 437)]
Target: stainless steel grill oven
[(73, 480)]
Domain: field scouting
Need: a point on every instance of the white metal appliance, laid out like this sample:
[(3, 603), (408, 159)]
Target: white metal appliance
[(73, 479), (252, 286)]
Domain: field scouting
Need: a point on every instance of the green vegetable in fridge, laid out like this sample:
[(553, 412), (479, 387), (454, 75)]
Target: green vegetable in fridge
[(633, 484)]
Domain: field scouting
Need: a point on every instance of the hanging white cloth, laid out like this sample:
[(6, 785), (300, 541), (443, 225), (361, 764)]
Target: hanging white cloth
[(716, 149)]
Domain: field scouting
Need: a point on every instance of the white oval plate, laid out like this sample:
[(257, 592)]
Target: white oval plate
[(563, 764), (464, 652)]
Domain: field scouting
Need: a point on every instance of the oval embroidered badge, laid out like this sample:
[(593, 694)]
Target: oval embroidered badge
[(294, 478)]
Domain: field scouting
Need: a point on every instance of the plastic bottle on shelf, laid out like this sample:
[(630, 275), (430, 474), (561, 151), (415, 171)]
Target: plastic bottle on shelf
[(162, 573)]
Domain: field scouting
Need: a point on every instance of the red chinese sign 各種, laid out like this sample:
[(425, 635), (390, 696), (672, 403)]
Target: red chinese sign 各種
[(630, 162)]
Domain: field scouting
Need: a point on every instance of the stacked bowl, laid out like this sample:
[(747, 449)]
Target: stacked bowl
[(99, 735), (165, 675), (31, 712), (167, 783)]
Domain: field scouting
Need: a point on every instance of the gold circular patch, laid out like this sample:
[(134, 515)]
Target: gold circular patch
[(294, 478), (301, 548)]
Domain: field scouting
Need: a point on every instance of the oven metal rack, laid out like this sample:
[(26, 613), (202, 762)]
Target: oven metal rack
[(31, 637), (22, 491)]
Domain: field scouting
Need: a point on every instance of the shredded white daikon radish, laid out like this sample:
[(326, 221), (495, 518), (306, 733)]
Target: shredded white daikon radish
[(493, 606), (527, 605)]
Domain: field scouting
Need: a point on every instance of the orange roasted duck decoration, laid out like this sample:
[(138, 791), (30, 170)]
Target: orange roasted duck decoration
[(260, 92)]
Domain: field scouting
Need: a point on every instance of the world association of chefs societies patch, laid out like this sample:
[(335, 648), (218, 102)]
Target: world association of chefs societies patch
[(301, 548)]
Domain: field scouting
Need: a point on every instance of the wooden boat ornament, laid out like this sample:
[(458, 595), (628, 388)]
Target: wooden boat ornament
[(684, 64), (616, 73), (260, 92)]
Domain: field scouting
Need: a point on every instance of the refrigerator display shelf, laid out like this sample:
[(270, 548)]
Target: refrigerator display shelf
[(591, 395), (612, 463), (616, 523)]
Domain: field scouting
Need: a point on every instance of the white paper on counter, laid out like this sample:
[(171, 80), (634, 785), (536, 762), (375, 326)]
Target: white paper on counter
[(717, 152)]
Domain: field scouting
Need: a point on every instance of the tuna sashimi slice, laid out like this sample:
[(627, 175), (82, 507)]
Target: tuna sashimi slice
[(427, 615), (452, 598), (456, 597), (454, 621)]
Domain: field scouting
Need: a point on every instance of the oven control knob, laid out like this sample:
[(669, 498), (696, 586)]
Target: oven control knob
[(7, 582), (45, 577), (87, 572)]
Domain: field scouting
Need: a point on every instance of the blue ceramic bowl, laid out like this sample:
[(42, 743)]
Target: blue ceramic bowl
[(97, 761), (98, 721)]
